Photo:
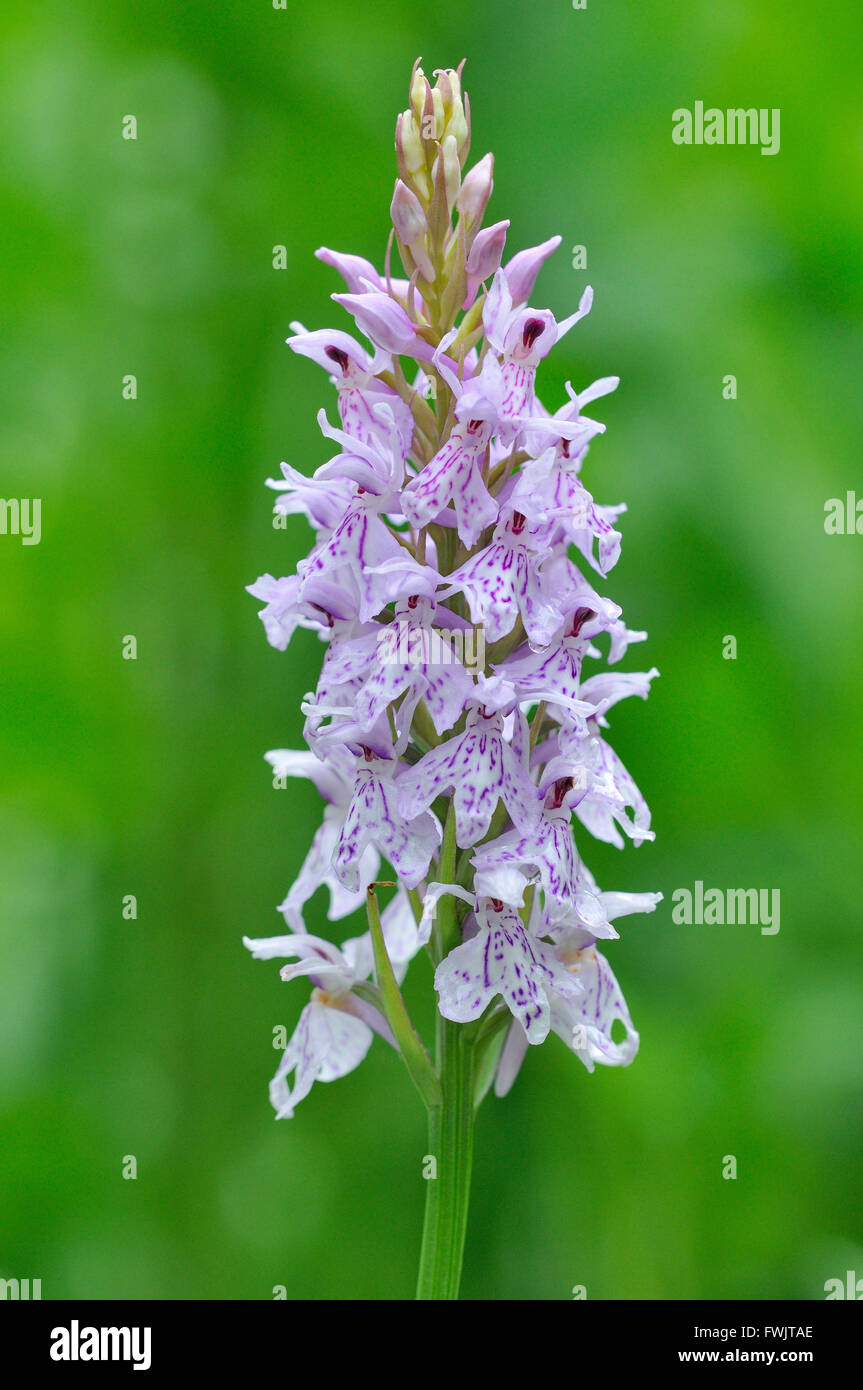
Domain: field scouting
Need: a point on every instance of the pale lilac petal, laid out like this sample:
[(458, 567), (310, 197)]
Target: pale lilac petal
[(382, 320), (585, 305), (321, 500), (353, 269), (607, 687), (327, 1044), (511, 1058), (521, 271), (585, 1023), (622, 904), (497, 311), (331, 779), (432, 896), (316, 871), (501, 881), (602, 387)]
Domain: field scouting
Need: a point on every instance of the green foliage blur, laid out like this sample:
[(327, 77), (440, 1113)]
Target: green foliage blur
[(154, 1037)]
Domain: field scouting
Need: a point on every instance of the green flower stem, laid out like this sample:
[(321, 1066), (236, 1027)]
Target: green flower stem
[(445, 931), (416, 903), (451, 1145), (422, 724), (415, 1056)]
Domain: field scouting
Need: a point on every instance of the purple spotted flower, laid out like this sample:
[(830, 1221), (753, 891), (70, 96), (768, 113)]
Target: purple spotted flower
[(481, 767), (502, 958), (455, 475), (457, 728)]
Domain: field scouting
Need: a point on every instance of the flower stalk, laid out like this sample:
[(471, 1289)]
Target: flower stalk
[(415, 1057), (450, 1139)]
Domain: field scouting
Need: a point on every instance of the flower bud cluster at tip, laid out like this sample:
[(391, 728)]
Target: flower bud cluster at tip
[(436, 212)]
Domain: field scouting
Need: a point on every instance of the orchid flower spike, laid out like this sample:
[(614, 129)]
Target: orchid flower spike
[(457, 731)]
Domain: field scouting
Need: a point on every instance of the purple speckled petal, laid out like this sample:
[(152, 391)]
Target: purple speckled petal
[(374, 818), (454, 475), (552, 675), (492, 583), (359, 411), (481, 768), (503, 581), (503, 959), (548, 847), (364, 554), (410, 655)]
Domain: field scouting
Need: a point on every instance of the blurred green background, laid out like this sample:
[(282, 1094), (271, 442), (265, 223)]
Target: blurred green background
[(153, 1037)]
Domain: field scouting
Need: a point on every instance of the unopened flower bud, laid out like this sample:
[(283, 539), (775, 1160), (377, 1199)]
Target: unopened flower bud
[(476, 190), (455, 122), (457, 127), (451, 169), (411, 145), (410, 224), (419, 87), (435, 112), (409, 148), (448, 93), (487, 249), (407, 214)]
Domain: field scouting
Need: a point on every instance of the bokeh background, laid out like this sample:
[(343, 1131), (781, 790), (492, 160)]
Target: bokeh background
[(153, 1037)]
